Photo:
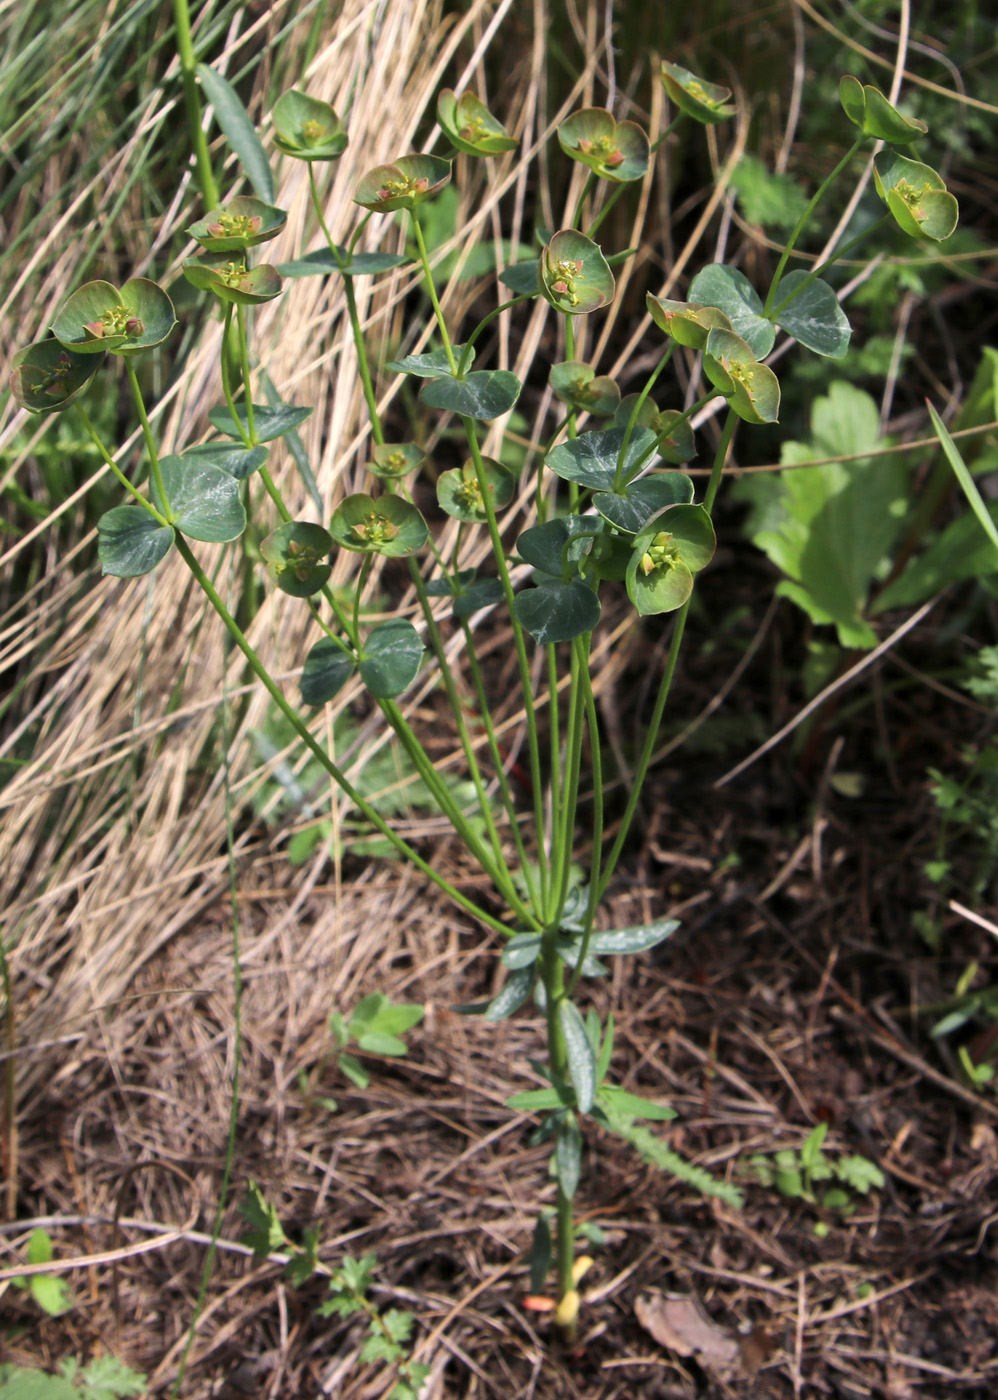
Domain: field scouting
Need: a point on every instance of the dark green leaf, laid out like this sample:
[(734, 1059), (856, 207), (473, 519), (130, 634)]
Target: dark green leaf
[(636, 939), (731, 292), (391, 657), (482, 593), (521, 278), (322, 262), (814, 317), (484, 394), (581, 1060), (557, 546), (591, 458), (513, 994), (327, 669), (270, 423), (556, 611), (239, 462), (130, 542), (433, 365), (540, 1255), (523, 950), (568, 1155), (265, 1233), (240, 130), (634, 505), (204, 501)]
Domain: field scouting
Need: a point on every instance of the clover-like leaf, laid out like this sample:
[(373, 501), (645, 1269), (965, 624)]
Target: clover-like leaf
[(556, 611), (484, 394), (131, 542), (470, 125), (667, 552), (394, 460), (686, 322), (270, 421), (731, 292), (675, 436), (323, 262), (229, 277), (307, 128), (591, 459), (388, 525), (390, 658), (459, 492), (242, 223), (916, 195), (98, 317), (46, 377), (573, 275), (704, 102), (297, 557), (203, 501), (327, 669), (613, 150), (580, 387), (630, 508), (751, 388), (814, 316), (868, 108), (402, 184)]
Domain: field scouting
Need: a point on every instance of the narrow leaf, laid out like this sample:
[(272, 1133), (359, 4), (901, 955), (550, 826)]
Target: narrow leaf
[(581, 1060), (637, 939), (963, 476), (568, 1155), (240, 132)]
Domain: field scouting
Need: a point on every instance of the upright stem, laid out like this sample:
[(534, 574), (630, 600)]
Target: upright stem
[(140, 407), (188, 70)]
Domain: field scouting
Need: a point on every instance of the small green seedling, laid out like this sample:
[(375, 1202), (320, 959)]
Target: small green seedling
[(105, 1378), (795, 1173), (376, 1026), (50, 1291)]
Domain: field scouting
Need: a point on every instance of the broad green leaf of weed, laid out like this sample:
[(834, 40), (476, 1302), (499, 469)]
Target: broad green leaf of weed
[(775, 201), (266, 1233), (859, 1173), (104, 1378)]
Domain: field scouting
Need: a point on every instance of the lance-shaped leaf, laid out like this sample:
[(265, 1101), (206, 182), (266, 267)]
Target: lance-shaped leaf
[(512, 996), (591, 458), (388, 525), (916, 195), (394, 460), (240, 130), (630, 508), (323, 262), (637, 938), (556, 611), (568, 1154), (731, 292), (390, 658), (297, 557), (229, 277), (580, 387), (202, 500), (270, 422), (402, 184), (459, 492), (573, 275), (327, 669), (618, 1104), (483, 394), (752, 389), (435, 364), (613, 150), (704, 102), (667, 552), (685, 322), (46, 377), (581, 1060), (307, 128), (672, 428), (470, 125), (868, 108), (239, 462), (814, 316), (98, 317), (242, 223), (522, 950), (130, 542)]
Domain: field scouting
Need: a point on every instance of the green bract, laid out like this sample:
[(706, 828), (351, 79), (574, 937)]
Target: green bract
[(459, 493), (687, 322), (752, 389), (403, 184), (868, 108), (47, 377), (387, 525), (395, 460), (705, 102), (242, 223), (307, 128), (667, 552), (573, 274), (471, 126), (296, 555), (580, 387), (98, 317), (227, 275), (613, 150), (916, 196)]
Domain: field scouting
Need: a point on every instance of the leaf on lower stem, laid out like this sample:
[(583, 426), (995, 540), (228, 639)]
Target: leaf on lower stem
[(130, 542), (568, 1155), (581, 1060)]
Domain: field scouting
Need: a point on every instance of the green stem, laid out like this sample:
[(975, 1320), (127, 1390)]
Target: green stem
[(140, 407), (122, 478), (802, 222), (226, 371), (192, 103), (830, 261), (566, 800), (612, 198), (592, 724), (431, 287), (465, 361), (245, 363), (587, 190), (318, 752)]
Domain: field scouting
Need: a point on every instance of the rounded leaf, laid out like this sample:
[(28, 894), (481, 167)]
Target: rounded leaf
[(392, 461), (731, 292), (556, 611), (270, 421), (558, 546), (391, 658), (614, 150), (634, 505), (388, 525), (591, 459), (675, 436), (130, 542), (667, 552), (327, 669), (403, 184), (203, 501), (323, 262), (479, 593), (573, 275), (307, 128), (484, 394), (242, 223), (230, 279), (580, 387), (814, 318), (297, 554), (704, 102), (240, 462), (459, 493), (435, 364), (916, 195), (686, 322), (470, 125), (98, 317), (46, 377)]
